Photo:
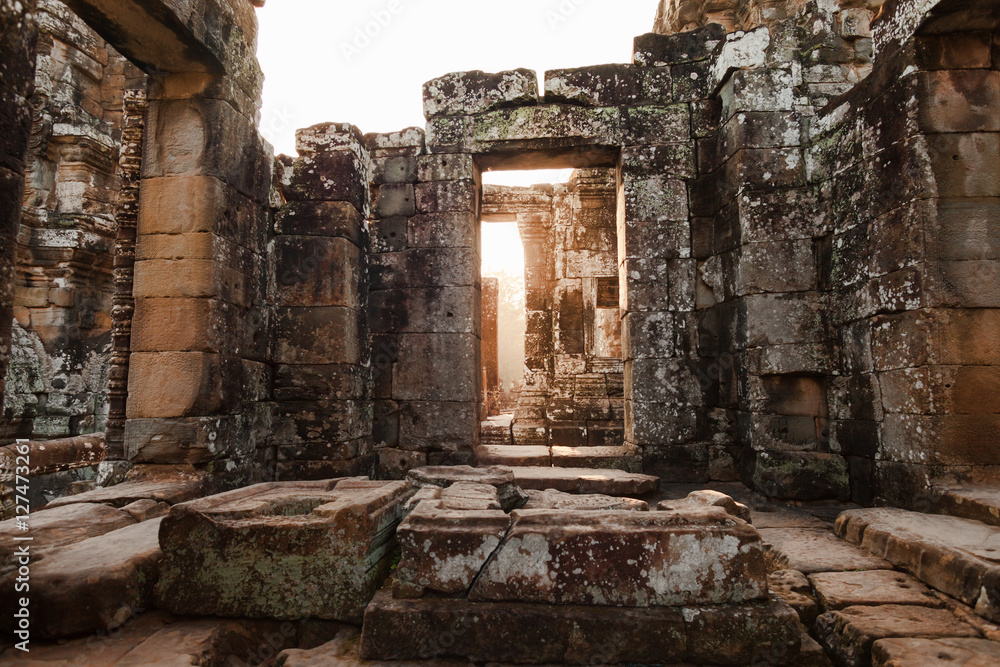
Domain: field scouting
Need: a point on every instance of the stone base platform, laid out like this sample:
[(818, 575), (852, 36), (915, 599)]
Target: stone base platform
[(287, 550), (765, 633)]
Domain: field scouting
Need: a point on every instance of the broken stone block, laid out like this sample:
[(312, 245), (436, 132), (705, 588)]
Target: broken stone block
[(90, 586), (470, 496), (625, 559), (658, 50), (444, 549), (838, 590), (707, 498), (956, 556), (468, 93), (850, 633), (550, 499), (795, 590), (509, 494), (281, 550), (166, 484), (811, 550), (58, 527), (935, 653)]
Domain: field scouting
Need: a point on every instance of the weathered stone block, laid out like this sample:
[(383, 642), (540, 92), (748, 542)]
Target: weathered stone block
[(443, 550), (467, 93), (798, 475), (438, 425), (437, 367), (960, 101), (964, 164), (658, 50), (200, 136), (446, 168), (502, 478), (444, 230), (395, 199), (174, 384), (518, 633), (954, 51), (426, 267), (443, 196), (310, 271), (811, 548), (283, 551), (608, 85), (425, 310), (327, 335), (328, 218), (596, 558), (839, 590), (395, 170), (657, 125)]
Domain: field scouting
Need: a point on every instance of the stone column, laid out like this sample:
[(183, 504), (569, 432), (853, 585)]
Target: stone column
[(197, 372), (530, 424), (17, 81), (123, 306), (490, 338)]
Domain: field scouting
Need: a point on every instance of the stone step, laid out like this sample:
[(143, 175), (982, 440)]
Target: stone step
[(956, 556), (980, 502), (585, 480), (972, 652), (610, 458), (850, 635), (514, 455)]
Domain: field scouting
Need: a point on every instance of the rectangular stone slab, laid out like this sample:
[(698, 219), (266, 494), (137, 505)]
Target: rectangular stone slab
[(510, 632), (626, 559), (585, 480), (282, 550)]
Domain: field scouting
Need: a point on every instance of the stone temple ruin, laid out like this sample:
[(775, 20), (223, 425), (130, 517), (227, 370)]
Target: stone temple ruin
[(249, 398)]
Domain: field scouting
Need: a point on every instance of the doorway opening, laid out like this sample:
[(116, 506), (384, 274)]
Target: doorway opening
[(570, 393)]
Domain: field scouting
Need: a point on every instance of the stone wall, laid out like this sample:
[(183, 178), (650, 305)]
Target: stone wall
[(62, 300), (847, 252)]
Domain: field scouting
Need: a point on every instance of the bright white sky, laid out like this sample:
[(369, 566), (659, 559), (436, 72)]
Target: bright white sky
[(318, 69), (320, 65)]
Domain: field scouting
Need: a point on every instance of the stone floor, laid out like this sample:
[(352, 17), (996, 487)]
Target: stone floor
[(867, 588)]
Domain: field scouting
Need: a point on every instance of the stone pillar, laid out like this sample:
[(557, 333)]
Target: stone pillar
[(319, 293), (530, 424), (197, 374), (490, 346), (17, 81), (657, 285), (123, 307)]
